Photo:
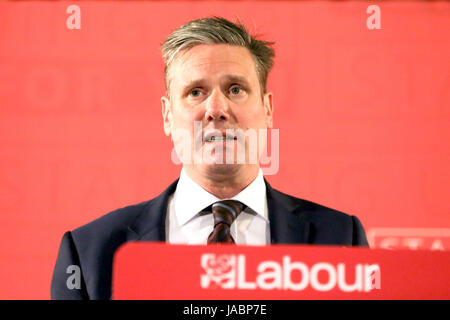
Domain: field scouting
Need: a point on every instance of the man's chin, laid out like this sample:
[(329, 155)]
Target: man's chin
[(221, 168)]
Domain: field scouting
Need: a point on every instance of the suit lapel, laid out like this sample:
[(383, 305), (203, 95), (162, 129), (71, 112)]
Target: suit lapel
[(150, 225), (287, 225)]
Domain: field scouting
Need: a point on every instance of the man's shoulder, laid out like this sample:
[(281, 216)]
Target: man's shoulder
[(113, 222), (310, 210), (121, 221), (320, 224)]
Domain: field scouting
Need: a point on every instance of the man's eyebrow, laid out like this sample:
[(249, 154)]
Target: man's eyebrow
[(228, 78), (239, 79), (195, 83)]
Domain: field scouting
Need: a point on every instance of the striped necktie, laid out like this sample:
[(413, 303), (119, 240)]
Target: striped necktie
[(225, 212)]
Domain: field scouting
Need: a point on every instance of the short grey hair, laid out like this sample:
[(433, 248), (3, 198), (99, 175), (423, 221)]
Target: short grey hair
[(217, 30)]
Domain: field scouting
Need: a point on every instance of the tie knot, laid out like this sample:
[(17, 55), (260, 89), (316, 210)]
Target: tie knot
[(226, 211)]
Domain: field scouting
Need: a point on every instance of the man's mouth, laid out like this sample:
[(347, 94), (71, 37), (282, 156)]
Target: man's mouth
[(219, 138)]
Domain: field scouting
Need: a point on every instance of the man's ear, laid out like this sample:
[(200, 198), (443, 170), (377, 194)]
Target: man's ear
[(268, 109), (167, 115)]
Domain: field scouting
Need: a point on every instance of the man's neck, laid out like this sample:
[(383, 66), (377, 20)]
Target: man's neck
[(223, 183)]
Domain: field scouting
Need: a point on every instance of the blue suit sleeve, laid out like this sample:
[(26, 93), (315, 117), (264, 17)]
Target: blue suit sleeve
[(359, 235), (67, 281)]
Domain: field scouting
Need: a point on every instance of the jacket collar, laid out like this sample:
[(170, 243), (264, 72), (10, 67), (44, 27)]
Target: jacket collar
[(286, 224), (150, 225)]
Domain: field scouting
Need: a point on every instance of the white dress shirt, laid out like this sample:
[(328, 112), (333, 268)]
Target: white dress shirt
[(186, 224)]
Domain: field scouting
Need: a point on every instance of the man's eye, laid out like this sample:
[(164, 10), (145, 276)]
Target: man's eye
[(235, 90), (196, 93)]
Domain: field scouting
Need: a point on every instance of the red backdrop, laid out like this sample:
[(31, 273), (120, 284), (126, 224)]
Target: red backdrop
[(363, 117)]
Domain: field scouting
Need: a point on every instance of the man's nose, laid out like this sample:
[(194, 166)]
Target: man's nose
[(217, 107)]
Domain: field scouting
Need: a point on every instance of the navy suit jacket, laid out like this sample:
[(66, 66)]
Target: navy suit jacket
[(92, 246)]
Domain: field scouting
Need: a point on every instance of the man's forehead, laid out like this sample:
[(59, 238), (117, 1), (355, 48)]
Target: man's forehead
[(220, 60), (204, 52)]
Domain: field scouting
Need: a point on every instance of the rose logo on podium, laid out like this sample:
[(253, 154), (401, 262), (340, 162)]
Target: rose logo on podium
[(220, 271)]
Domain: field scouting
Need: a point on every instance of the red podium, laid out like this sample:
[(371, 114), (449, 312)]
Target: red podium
[(158, 271)]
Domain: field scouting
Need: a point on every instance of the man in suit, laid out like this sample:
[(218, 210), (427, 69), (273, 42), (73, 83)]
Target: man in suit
[(216, 76)]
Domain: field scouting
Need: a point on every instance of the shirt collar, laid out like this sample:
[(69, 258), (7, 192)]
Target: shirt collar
[(190, 198)]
